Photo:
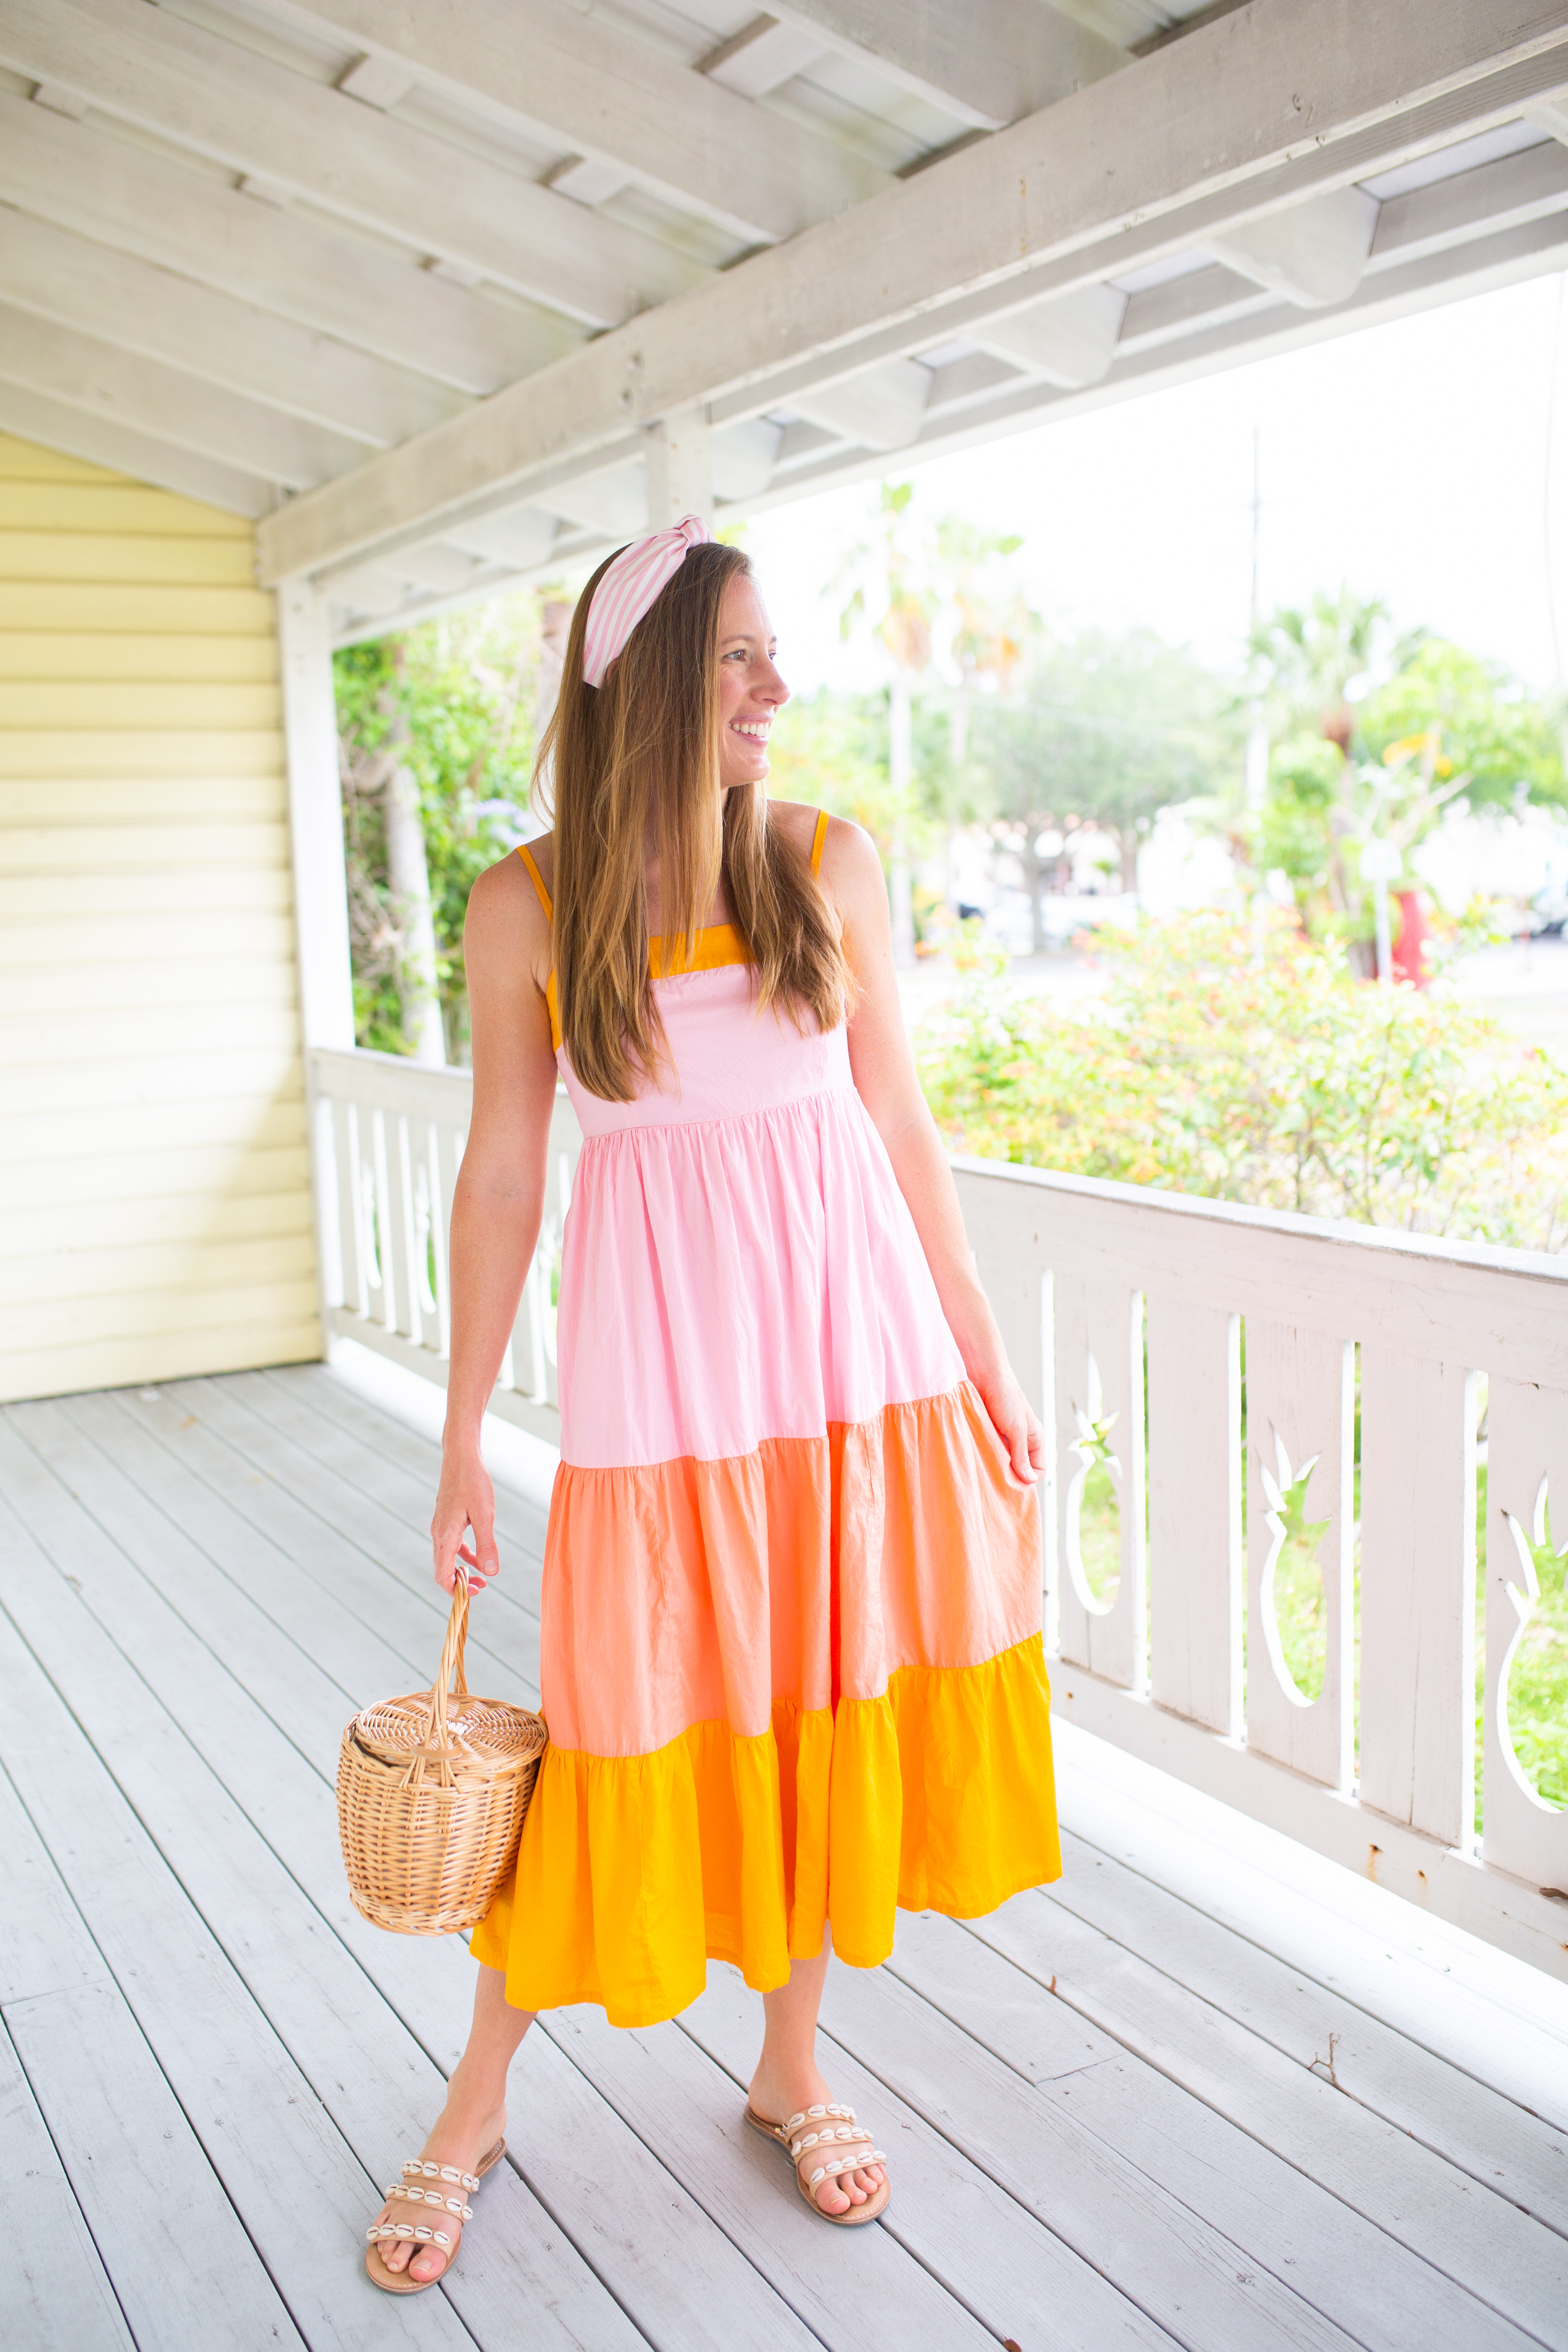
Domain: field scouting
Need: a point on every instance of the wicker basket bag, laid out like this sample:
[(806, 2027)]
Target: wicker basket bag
[(432, 1790)]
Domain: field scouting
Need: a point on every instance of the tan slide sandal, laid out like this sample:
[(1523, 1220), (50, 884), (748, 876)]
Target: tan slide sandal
[(829, 2132), (447, 2197)]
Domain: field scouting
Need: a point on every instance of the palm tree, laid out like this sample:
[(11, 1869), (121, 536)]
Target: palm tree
[(889, 575)]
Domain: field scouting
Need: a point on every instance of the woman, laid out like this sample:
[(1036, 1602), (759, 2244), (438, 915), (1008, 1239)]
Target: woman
[(791, 1662)]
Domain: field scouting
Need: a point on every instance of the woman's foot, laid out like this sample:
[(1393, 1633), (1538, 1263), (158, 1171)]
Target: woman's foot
[(461, 2137), (776, 2100)]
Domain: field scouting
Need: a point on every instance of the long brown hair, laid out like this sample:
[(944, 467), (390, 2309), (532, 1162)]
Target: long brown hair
[(634, 764)]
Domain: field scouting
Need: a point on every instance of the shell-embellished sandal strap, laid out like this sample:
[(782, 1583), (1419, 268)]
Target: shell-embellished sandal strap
[(418, 2232), (418, 2168), (444, 2202), (838, 2164), (825, 2118)]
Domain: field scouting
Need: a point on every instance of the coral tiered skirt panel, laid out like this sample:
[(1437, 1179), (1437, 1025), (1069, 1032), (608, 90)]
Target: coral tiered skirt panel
[(792, 1662)]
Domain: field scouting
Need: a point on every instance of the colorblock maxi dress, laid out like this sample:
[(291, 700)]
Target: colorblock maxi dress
[(791, 1660)]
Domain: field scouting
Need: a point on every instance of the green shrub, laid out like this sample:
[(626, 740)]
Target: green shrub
[(1248, 1065)]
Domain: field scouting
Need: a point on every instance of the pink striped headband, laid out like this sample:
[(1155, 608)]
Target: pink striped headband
[(630, 587)]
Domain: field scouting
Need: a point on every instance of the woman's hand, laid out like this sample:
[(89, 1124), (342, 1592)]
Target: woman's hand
[(1011, 1418), (465, 1505)]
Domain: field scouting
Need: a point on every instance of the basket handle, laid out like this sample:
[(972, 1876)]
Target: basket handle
[(450, 1669)]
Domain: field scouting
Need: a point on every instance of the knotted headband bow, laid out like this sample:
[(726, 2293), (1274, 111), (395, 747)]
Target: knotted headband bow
[(629, 587)]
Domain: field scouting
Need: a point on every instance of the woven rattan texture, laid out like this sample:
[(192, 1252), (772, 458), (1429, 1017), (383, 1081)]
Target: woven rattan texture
[(432, 1791)]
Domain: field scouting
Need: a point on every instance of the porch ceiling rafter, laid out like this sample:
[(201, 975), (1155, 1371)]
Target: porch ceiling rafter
[(575, 76), (184, 220), (1272, 105), (113, 383), (81, 283), (990, 62), (150, 67)]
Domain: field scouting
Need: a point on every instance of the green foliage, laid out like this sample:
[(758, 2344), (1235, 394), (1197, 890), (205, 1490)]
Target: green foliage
[(1106, 728), (1308, 657), (1445, 723), (1477, 721), (1257, 1071), (451, 701)]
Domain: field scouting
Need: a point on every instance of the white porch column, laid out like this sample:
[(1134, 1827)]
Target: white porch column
[(315, 817), (679, 468), (321, 897)]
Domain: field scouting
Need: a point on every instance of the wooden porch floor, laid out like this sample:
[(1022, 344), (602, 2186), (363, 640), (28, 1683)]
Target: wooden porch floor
[(1172, 2102)]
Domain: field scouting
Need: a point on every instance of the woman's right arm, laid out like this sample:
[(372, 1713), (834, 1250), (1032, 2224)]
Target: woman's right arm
[(500, 1196)]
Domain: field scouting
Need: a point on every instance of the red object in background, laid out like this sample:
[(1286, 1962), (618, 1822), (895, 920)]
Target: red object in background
[(1409, 956)]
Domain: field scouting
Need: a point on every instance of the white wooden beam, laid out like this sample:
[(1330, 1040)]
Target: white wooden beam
[(989, 62), (378, 81), (881, 408), (315, 817), (104, 441), (1069, 339), (679, 468), (522, 538), (762, 55), (1312, 254), (588, 180), (1525, 186), (150, 66), (613, 99), (1206, 132), (1548, 114), (743, 457), (329, 281), (124, 301), (152, 398), (615, 503)]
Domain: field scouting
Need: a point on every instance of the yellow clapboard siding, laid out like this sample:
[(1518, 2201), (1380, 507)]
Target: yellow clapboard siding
[(218, 840), (236, 1347), (187, 1025), (24, 461), (156, 1180), (88, 1130), (125, 1314), (65, 991), (157, 1079), (38, 752), (71, 706), (163, 1219), (64, 606), (129, 510), (49, 896), (33, 656), (107, 556), (111, 940), (188, 1262), (159, 800), (195, 1181)]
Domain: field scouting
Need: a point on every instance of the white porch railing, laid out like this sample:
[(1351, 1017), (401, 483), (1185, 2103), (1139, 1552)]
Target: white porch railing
[(1127, 1313)]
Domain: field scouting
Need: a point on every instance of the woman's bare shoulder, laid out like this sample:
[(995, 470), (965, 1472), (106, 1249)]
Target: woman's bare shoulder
[(796, 820), (505, 912)]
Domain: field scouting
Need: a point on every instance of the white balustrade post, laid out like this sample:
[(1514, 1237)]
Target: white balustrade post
[(320, 897)]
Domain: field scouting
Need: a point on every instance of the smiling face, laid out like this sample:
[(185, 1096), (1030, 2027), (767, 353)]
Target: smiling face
[(750, 688)]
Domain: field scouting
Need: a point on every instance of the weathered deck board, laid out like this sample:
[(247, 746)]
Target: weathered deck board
[(1212, 1978), (371, 2076), (1287, 2186), (54, 2293), (201, 1582)]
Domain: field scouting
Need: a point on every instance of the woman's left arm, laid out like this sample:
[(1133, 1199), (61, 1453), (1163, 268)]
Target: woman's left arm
[(884, 1073)]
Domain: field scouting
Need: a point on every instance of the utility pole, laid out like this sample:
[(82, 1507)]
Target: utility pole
[(1257, 734)]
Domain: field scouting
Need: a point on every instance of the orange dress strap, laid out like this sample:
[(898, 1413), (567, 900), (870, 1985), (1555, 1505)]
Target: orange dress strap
[(817, 838), (527, 856), (550, 998)]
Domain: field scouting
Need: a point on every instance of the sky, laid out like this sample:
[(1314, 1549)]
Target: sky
[(1411, 460)]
